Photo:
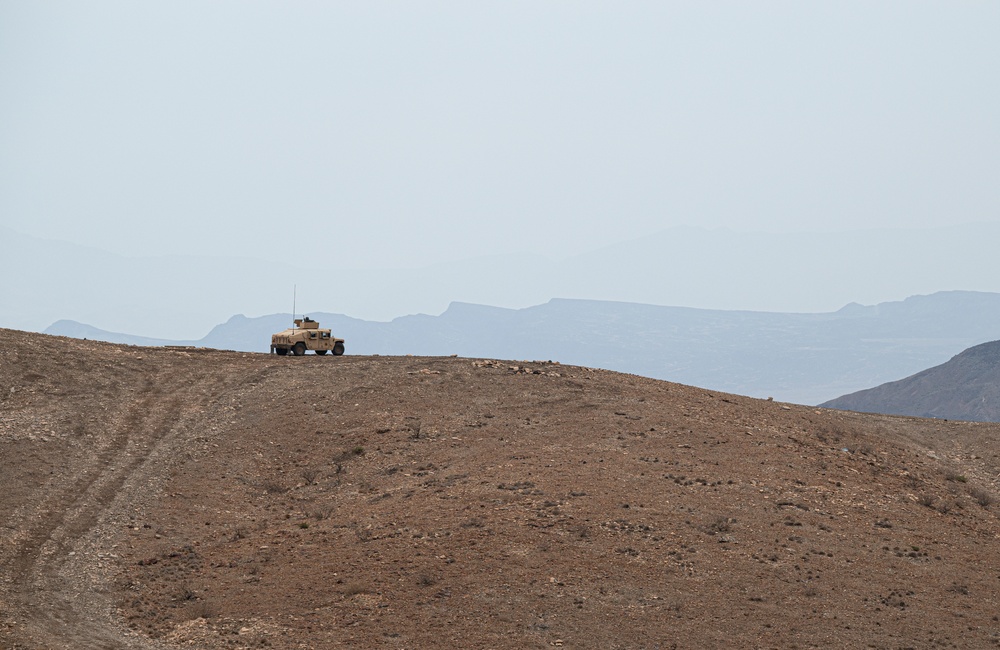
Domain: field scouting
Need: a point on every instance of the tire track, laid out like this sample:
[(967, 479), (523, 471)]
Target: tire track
[(52, 586)]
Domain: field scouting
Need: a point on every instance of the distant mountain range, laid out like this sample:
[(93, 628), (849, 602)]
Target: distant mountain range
[(44, 280), (802, 358), (967, 387)]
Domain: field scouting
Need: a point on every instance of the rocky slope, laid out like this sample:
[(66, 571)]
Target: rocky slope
[(167, 498), (965, 388)]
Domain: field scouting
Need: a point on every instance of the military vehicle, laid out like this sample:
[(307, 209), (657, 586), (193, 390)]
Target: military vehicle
[(306, 335)]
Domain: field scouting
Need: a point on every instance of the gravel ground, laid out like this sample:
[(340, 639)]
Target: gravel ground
[(167, 498)]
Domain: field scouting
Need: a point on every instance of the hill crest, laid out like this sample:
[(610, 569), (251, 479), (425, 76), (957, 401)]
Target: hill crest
[(196, 494), (803, 358)]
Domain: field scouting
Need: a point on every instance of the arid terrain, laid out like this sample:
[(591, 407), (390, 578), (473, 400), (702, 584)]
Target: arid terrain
[(194, 498)]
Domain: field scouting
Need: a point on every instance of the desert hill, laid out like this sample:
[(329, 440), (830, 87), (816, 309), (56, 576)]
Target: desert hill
[(185, 497), (965, 388)]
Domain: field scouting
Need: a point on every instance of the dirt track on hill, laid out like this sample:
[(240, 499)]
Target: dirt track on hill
[(163, 498)]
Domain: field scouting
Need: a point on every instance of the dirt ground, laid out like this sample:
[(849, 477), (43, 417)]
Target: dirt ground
[(191, 498)]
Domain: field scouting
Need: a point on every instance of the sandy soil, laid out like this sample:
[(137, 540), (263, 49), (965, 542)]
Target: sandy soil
[(168, 498)]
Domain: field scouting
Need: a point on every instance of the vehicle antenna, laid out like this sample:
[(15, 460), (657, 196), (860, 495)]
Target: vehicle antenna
[(293, 302)]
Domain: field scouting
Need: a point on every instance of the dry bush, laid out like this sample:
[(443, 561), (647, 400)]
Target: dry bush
[(272, 486), (322, 512), (355, 588), (348, 455), (982, 497), (947, 506), (202, 609), (719, 525), (183, 592)]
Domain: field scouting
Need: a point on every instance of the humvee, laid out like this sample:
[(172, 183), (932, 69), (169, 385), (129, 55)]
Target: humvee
[(306, 335)]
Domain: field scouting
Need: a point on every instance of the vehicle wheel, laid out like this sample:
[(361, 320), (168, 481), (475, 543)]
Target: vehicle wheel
[(299, 349), (338, 349), (281, 351), (320, 352)]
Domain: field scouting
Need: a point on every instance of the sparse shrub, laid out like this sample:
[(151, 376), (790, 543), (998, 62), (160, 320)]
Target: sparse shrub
[(304, 525), (926, 500), (982, 497), (322, 512), (426, 581), (272, 486), (184, 592), (202, 609), (958, 478), (355, 588), (347, 455), (309, 475), (720, 525)]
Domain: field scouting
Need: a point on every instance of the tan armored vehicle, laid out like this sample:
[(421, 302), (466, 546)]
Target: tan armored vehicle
[(306, 335)]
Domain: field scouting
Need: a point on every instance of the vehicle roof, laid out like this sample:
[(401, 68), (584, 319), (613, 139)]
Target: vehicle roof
[(295, 330)]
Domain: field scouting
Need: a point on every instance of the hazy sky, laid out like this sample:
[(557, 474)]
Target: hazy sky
[(372, 134)]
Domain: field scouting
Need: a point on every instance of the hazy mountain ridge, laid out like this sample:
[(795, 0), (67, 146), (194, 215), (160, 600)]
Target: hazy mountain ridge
[(42, 280), (967, 387), (802, 358)]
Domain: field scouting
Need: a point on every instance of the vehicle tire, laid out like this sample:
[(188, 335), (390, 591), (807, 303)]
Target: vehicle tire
[(320, 352), (338, 349), (281, 351), (299, 349)]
